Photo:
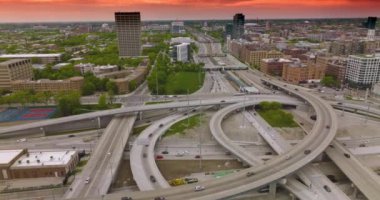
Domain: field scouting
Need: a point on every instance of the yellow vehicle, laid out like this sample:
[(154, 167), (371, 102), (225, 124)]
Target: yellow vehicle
[(177, 181)]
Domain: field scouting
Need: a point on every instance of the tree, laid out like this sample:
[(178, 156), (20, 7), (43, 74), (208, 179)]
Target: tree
[(68, 103), (112, 88), (102, 103), (329, 81), (88, 88)]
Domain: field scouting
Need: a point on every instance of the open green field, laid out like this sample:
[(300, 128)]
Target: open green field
[(278, 118), (181, 82), (182, 125)]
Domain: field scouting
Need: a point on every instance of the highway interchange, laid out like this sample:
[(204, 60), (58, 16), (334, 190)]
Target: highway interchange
[(106, 155)]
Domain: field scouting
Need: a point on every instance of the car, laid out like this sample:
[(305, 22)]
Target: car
[(159, 198), (296, 89), (185, 114), (307, 151), (197, 156), (328, 127), (71, 136), (191, 180), (228, 153), (152, 178), (331, 146), (87, 180), (264, 190), (327, 188), (339, 103), (150, 135), (362, 145), (165, 152), (347, 155), (147, 145), (144, 155), (194, 110), (21, 140), (158, 157), (249, 174), (161, 125), (199, 188), (222, 101), (268, 153), (126, 198), (301, 124)]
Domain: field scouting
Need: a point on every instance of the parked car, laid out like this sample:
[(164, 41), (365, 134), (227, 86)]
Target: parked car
[(159, 198), (71, 136), (197, 156), (159, 157), (307, 151), (126, 198), (347, 155), (165, 152)]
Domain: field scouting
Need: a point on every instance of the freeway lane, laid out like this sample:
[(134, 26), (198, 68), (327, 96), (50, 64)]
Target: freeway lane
[(141, 157), (103, 163), (125, 110), (364, 178)]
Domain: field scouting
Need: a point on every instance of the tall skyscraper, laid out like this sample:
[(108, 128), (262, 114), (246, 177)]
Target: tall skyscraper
[(371, 25), (238, 26), (128, 28)]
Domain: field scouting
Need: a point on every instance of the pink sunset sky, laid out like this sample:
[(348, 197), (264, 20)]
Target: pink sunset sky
[(102, 10)]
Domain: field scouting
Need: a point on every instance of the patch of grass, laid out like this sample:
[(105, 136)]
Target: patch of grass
[(278, 118), (82, 163), (181, 82), (181, 126), (156, 102), (139, 129)]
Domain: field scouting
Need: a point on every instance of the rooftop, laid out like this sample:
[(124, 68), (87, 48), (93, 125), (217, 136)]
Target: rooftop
[(6, 156), (30, 55), (43, 158), (11, 61)]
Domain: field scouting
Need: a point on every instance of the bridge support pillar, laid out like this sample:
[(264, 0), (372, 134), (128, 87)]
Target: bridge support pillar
[(140, 116), (273, 190), (355, 193), (42, 131), (99, 124)]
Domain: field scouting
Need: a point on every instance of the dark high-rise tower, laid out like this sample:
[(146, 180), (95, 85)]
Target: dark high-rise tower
[(128, 28), (238, 26), (371, 25), (371, 22)]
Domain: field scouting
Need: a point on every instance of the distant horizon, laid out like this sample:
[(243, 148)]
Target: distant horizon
[(42, 11), (170, 20)]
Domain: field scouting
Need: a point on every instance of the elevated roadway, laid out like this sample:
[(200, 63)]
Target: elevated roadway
[(102, 166), (275, 169), (142, 158), (36, 126), (311, 176), (363, 177)]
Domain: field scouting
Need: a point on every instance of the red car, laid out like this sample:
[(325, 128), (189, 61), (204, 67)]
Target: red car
[(158, 157)]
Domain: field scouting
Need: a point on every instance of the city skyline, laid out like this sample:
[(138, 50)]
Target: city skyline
[(102, 10)]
